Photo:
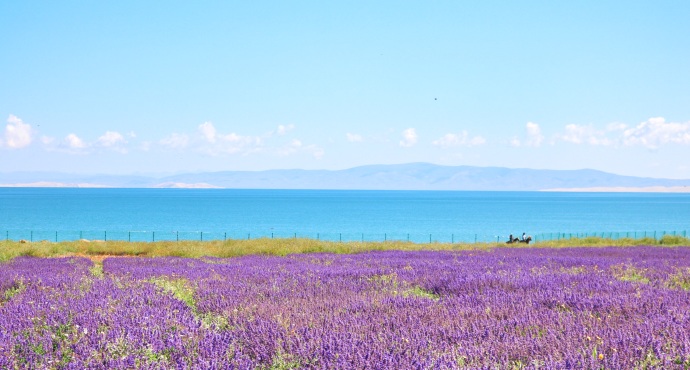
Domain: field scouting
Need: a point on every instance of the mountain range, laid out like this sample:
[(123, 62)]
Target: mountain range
[(411, 176)]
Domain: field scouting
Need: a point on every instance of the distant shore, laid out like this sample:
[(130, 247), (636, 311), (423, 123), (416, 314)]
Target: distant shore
[(180, 185), (406, 176), (169, 185), (623, 189)]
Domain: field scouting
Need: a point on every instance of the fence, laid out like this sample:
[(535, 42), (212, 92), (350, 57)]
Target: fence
[(610, 235), (439, 237)]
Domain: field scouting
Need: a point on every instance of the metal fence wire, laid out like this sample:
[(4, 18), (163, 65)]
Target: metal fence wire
[(156, 236)]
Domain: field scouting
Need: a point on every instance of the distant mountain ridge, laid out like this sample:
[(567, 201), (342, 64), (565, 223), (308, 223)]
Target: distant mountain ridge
[(412, 176)]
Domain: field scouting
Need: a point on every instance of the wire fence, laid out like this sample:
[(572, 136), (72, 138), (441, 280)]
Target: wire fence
[(156, 236), (615, 235)]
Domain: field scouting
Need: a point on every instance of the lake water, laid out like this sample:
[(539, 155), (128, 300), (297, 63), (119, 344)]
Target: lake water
[(170, 214)]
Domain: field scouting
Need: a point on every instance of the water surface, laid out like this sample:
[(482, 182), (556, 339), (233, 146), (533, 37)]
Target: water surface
[(332, 214)]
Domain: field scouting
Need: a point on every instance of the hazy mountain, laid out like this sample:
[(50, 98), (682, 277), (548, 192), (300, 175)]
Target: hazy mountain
[(413, 176)]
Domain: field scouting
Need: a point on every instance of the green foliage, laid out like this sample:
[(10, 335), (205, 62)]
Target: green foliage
[(629, 273), (673, 240), (685, 361), (180, 288), (283, 361), (679, 280), (15, 289), (97, 270), (421, 292), (390, 284), (183, 290), (650, 361), (162, 357), (652, 241), (213, 320), (595, 241)]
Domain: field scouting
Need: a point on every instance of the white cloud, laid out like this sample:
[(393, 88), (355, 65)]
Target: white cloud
[(409, 138), (210, 141), (111, 139), (297, 146), (316, 151), (240, 139), (650, 134), (175, 141), (586, 134), (228, 143), (534, 136), (655, 132), (282, 130), (290, 148), (74, 142), (208, 131), (17, 133), (616, 126), (354, 138), (460, 139)]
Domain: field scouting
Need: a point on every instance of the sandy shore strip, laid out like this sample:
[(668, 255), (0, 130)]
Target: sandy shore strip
[(623, 189)]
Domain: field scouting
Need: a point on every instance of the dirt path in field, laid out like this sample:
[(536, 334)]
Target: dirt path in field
[(98, 258)]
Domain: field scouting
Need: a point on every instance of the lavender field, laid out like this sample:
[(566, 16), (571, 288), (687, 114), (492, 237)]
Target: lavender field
[(570, 308)]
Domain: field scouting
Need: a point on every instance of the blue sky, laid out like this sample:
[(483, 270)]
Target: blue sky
[(164, 87)]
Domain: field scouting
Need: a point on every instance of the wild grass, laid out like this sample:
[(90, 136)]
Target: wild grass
[(282, 247), (180, 288)]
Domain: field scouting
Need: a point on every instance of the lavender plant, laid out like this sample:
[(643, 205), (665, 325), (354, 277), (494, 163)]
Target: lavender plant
[(573, 308)]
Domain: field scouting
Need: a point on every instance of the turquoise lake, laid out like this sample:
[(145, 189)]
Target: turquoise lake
[(171, 214)]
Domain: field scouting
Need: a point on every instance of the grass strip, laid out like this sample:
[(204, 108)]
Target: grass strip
[(282, 247)]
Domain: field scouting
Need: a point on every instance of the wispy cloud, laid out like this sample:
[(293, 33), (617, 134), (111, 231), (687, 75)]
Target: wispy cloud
[(72, 141), (17, 133), (208, 131), (290, 148), (410, 138), (354, 138), (461, 139), (584, 134), (655, 132), (284, 129), (533, 137), (652, 134), (74, 144), (175, 141), (217, 143), (296, 146), (112, 140), (212, 141), (47, 140)]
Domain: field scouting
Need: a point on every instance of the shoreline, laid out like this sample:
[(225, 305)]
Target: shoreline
[(623, 189), (179, 185)]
